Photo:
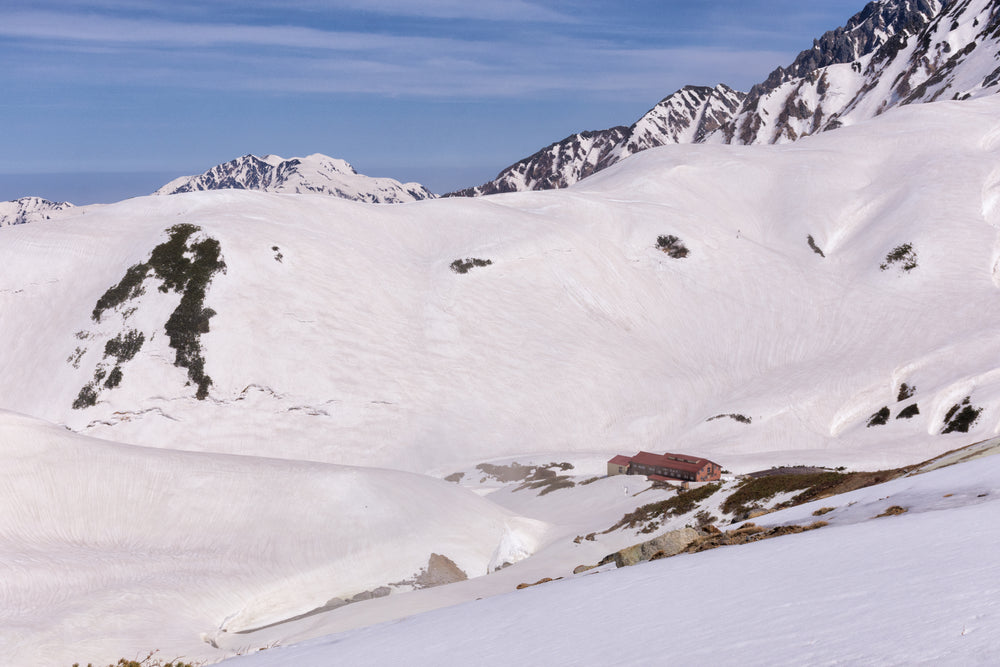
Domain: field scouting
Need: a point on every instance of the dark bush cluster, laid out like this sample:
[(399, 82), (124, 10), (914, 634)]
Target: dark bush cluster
[(463, 265), (86, 398), (880, 418), (129, 287), (904, 255), (815, 248), (653, 514), (909, 412), (181, 267), (757, 489), (672, 246), (906, 391), (743, 419), (124, 346), (961, 417)]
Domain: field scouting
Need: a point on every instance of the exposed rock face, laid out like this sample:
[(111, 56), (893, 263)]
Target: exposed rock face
[(440, 570), (905, 51), (556, 166), (316, 173), (667, 544), (29, 209), (893, 52)]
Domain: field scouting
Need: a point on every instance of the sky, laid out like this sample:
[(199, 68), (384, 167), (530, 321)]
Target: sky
[(107, 99)]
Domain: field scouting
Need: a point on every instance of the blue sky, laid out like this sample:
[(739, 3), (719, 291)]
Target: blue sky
[(106, 99)]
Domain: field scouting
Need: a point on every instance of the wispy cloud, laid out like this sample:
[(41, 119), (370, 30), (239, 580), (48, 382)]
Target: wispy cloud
[(298, 59)]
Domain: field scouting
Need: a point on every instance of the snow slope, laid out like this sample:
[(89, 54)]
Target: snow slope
[(315, 173), (111, 550), (919, 588), (341, 334)]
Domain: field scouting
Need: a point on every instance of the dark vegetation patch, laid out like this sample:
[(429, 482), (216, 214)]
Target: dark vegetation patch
[(880, 418), (129, 287), (546, 479), (815, 248), (743, 419), (277, 253), (823, 510), (892, 511), (906, 391), (752, 492), (904, 255), (463, 265), (588, 481), (672, 246), (455, 477), (515, 472), (149, 661), (186, 268), (745, 534), (74, 359), (909, 412), (114, 378), (124, 346), (961, 417), (649, 517), (86, 398)]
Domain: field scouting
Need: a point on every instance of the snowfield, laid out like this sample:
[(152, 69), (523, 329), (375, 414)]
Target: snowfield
[(846, 276)]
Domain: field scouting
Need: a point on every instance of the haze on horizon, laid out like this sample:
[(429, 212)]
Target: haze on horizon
[(109, 99)]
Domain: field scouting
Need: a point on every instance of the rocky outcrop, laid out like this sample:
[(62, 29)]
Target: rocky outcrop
[(662, 546)]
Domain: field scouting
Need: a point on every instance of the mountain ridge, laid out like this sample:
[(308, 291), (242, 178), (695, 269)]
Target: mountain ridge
[(313, 174), (891, 53)]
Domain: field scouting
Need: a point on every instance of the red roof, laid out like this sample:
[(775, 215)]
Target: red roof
[(621, 460), (680, 462)]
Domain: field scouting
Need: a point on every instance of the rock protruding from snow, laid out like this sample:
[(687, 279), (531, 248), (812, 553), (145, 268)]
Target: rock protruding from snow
[(29, 209), (316, 174)]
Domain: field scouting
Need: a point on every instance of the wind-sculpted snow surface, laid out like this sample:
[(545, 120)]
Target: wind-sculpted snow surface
[(114, 550), (362, 346)]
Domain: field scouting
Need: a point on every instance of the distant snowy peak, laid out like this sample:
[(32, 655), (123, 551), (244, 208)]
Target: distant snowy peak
[(921, 57), (317, 174), (28, 209), (557, 165), (686, 116)]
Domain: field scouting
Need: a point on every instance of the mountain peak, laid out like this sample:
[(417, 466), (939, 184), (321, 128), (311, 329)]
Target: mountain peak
[(315, 174), (29, 209)]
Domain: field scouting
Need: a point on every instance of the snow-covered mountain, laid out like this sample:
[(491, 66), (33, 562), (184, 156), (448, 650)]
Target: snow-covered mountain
[(686, 116), (29, 209), (892, 53), (315, 173), (261, 386)]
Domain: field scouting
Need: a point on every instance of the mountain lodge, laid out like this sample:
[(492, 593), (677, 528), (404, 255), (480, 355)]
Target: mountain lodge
[(666, 467)]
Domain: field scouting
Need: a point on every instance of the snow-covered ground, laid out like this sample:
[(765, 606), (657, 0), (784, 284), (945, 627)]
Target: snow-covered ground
[(352, 370), (917, 588)]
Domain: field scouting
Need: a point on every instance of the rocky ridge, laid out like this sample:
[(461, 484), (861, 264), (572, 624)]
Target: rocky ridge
[(29, 209), (316, 174), (891, 53)]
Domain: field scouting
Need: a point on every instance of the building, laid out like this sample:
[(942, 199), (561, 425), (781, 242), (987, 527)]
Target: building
[(666, 466)]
